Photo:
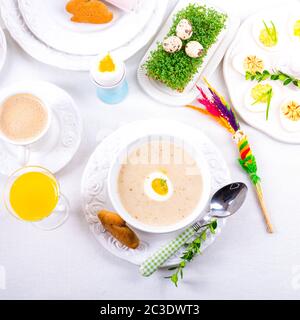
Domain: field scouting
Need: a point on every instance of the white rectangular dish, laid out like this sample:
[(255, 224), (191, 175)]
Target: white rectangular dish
[(161, 92)]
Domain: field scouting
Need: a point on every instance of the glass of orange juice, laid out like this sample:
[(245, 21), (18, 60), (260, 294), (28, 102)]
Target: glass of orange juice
[(32, 194)]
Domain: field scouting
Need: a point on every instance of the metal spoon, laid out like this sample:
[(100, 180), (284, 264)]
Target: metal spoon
[(224, 203)]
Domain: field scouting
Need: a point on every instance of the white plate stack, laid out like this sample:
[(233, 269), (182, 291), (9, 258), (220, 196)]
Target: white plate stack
[(45, 31)]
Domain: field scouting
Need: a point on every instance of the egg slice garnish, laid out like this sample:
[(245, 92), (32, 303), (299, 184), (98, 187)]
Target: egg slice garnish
[(158, 187), (252, 63), (257, 98), (290, 114), (266, 34)]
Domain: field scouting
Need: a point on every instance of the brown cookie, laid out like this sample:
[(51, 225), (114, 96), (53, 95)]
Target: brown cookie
[(117, 227), (89, 11)]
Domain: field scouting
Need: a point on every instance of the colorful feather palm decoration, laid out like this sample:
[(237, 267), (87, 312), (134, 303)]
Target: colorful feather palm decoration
[(217, 108)]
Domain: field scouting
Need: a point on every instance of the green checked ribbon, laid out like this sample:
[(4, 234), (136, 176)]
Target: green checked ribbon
[(150, 265)]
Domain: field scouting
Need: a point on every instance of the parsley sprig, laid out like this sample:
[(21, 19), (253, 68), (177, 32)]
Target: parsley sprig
[(192, 250), (274, 75)]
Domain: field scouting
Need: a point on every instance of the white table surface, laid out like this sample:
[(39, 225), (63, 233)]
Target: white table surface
[(245, 262)]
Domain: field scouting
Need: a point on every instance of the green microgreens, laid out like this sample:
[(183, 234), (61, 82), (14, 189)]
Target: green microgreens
[(274, 75), (192, 250), (176, 70)]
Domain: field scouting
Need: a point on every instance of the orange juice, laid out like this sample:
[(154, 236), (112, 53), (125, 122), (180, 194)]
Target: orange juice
[(34, 195)]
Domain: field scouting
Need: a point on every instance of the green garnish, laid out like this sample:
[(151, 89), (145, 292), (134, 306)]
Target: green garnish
[(176, 70), (262, 93), (270, 95), (285, 78), (268, 36), (192, 250)]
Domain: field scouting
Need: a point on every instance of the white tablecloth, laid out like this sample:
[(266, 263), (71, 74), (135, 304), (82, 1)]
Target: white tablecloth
[(245, 262)]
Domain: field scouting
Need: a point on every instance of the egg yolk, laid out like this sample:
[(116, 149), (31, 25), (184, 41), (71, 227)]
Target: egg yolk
[(268, 35), (260, 92), (253, 64), (107, 64), (292, 111), (160, 186), (297, 28)]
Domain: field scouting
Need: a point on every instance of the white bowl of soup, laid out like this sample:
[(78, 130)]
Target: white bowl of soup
[(159, 183)]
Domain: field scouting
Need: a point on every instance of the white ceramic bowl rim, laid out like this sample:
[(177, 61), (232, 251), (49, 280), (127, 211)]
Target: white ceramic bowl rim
[(114, 173)]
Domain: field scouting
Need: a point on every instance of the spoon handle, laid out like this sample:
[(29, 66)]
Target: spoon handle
[(150, 265)]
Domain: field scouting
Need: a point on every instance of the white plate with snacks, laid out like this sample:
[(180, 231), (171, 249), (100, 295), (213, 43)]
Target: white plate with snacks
[(172, 83), (49, 21), (3, 48), (18, 29), (94, 184), (273, 46), (59, 145)]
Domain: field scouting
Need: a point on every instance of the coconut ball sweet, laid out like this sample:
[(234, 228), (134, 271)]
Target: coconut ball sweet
[(172, 44), (194, 49), (184, 29)]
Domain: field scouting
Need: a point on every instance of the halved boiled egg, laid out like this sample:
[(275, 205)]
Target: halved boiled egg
[(289, 63), (259, 94), (267, 35), (294, 26), (290, 113), (250, 62), (158, 187), (295, 64)]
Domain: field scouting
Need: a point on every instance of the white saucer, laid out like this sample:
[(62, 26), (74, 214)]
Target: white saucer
[(94, 184), (60, 144), (3, 48), (18, 29)]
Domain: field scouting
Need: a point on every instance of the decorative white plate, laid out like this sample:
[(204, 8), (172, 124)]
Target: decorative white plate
[(159, 91), (50, 22), (3, 48), (60, 144), (94, 184), (18, 29), (238, 86)]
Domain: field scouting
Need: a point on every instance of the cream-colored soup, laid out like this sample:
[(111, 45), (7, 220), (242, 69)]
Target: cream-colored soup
[(22, 117), (160, 183)]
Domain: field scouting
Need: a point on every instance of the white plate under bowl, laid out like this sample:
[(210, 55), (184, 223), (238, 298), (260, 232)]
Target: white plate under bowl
[(162, 93), (94, 184), (3, 48), (238, 86), (18, 29), (60, 144), (50, 22)]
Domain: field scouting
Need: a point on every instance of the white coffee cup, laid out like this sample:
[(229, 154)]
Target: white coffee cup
[(27, 143)]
